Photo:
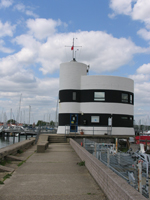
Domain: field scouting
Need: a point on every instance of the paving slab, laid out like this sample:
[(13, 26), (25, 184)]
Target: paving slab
[(51, 168), (54, 175), (50, 156)]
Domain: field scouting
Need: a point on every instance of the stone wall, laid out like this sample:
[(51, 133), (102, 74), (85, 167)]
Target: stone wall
[(113, 186)]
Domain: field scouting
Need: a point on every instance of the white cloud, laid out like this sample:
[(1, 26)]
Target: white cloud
[(144, 34), (121, 7), (42, 28), (22, 8), (6, 3), (145, 69), (140, 77), (136, 9), (6, 29), (141, 10), (31, 13), (102, 51), (142, 91), (4, 49)]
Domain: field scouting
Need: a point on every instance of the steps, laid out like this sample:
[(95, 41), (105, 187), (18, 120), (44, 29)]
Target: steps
[(57, 139)]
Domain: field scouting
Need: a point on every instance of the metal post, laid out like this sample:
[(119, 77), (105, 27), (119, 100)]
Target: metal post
[(65, 130), (84, 142), (139, 176), (116, 145), (108, 157), (118, 158), (14, 138), (95, 148), (93, 130), (19, 137), (100, 155)]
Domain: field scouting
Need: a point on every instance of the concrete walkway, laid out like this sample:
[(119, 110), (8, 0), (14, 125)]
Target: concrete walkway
[(54, 175)]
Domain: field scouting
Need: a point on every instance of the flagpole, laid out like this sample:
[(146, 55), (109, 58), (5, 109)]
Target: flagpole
[(73, 49)]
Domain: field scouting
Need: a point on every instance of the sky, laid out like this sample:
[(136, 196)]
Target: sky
[(115, 40)]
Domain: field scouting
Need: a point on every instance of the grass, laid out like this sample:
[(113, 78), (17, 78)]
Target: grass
[(82, 163), (123, 149), (19, 151), (91, 193), (4, 162), (21, 163), (6, 176)]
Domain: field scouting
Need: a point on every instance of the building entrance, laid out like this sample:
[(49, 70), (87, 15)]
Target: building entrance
[(73, 122)]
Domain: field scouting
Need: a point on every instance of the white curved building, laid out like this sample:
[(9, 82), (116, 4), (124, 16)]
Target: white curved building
[(103, 104)]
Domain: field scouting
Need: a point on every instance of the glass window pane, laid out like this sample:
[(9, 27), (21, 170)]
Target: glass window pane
[(130, 98), (95, 119), (124, 97), (124, 118), (74, 96), (99, 96)]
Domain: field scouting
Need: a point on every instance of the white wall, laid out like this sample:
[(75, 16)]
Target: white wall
[(70, 75), (107, 82)]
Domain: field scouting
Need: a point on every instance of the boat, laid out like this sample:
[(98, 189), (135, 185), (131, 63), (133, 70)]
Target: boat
[(142, 139)]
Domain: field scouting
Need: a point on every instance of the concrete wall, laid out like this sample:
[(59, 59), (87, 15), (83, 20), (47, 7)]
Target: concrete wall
[(113, 186), (12, 149)]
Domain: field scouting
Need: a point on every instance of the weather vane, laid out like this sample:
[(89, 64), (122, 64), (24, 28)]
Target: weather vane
[(72, 49)]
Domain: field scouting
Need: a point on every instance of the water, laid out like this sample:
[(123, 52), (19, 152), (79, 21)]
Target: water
[(6, 141)]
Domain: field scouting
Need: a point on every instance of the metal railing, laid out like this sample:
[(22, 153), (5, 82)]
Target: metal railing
[(126, 165), (93, 130)]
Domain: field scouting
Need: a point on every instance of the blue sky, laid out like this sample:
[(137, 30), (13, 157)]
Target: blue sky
[(115, 40)]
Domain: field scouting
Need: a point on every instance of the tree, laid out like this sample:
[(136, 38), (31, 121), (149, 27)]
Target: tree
[(12, 121), (52, 123), (40, 123)]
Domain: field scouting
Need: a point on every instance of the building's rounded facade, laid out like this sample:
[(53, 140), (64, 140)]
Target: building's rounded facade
[(103, 104)]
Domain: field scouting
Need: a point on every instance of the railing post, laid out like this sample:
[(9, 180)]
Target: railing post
[(65, 130), (95, 149), (139, 176), (100, 155), (93, 130), (84, 142), (116, 145), (108, 157), (13, 137)]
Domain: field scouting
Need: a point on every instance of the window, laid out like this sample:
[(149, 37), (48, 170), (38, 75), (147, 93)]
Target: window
[(124, 97), (74, 96), (124, 118), (99, 96), (130, 98), (95, 119)]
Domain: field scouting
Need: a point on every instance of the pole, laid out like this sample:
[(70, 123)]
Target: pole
[(139, 176), (73, 49), (116, 145), (108, 157), (29, 114)]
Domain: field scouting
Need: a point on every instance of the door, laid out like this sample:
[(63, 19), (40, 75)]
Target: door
[(73, 122)]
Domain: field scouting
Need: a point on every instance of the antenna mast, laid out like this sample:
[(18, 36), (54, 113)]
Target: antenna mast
[(72, 48)]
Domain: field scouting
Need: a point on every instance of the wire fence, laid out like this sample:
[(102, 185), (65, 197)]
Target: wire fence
[(129, 166)]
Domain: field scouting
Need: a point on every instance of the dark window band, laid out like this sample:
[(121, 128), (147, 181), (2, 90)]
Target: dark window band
[(85, 120), (109, 96)]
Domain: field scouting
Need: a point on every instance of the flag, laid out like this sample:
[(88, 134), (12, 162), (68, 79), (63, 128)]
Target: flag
[(72, 48)]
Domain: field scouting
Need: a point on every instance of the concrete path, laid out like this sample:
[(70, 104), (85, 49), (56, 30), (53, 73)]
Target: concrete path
[(54, 175)]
